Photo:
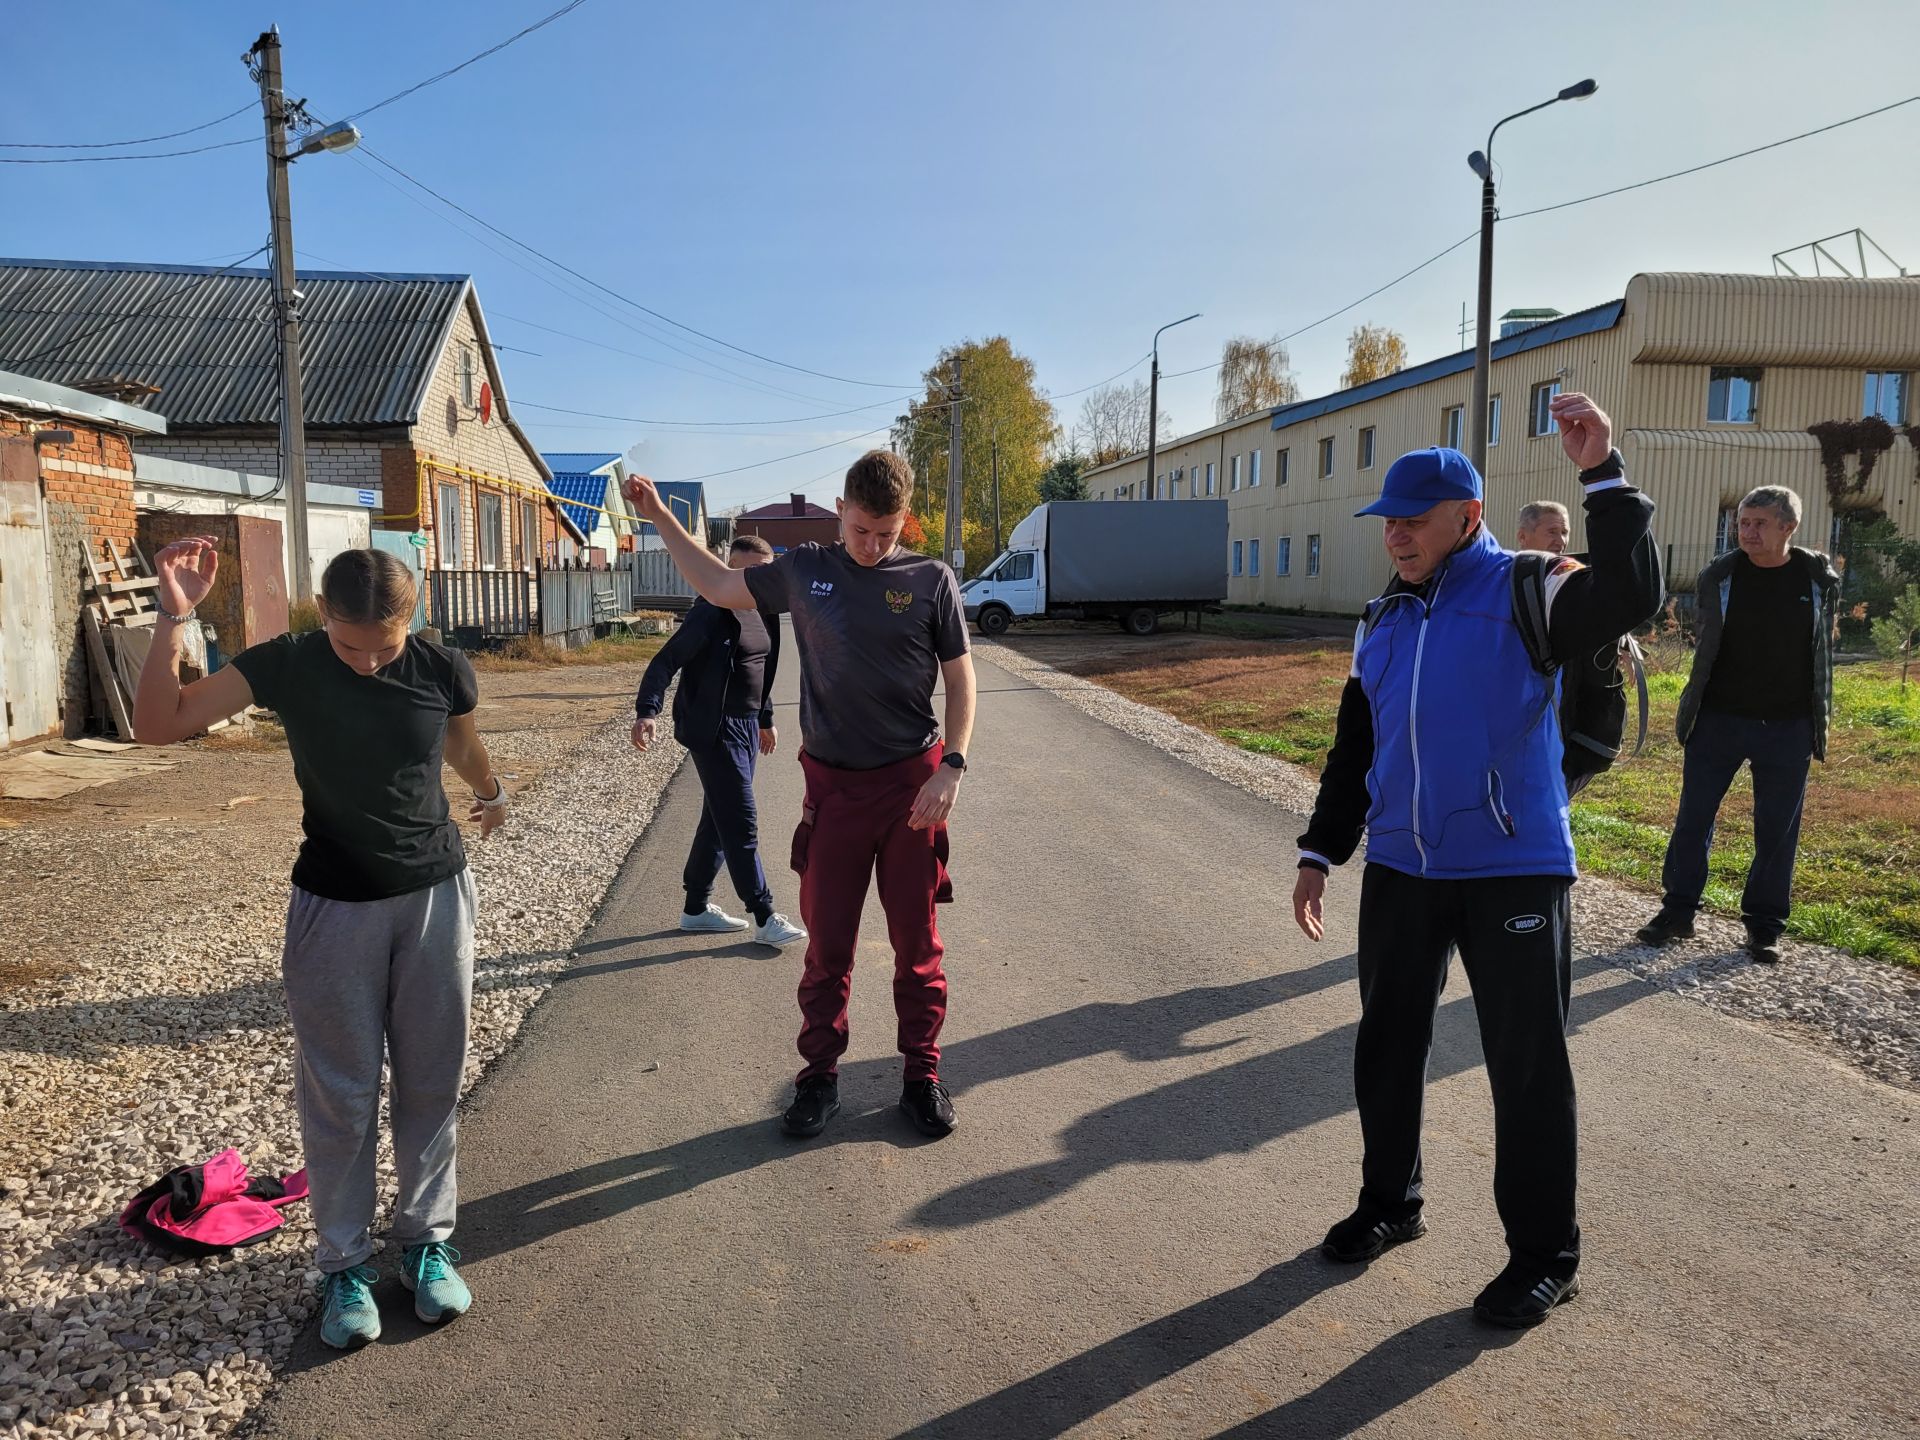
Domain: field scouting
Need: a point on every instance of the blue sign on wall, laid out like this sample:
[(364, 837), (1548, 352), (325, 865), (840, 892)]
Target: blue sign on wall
[(365, 497)]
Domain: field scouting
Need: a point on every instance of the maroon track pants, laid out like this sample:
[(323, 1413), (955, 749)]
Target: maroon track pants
[(853, 828)]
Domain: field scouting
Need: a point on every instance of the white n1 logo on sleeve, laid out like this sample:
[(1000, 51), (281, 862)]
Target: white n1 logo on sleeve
[(1526, 924)]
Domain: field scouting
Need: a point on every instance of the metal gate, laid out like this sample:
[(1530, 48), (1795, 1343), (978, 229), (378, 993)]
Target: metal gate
[(29, 666)]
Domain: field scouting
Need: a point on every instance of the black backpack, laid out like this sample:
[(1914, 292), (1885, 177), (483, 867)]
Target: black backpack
[(1593, 694)]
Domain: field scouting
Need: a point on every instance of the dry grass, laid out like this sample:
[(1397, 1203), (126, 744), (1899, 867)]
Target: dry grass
[(1858, 881), (530, 652)]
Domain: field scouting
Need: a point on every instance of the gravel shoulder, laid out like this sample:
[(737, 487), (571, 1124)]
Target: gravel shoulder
[(1856, 1011), (147, 1030)]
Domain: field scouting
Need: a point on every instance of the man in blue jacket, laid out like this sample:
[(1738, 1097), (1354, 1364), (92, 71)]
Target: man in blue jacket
[(1447, 754), (723, 714)]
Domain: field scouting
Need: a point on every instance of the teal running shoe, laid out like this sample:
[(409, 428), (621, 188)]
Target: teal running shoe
[(438, 1291), (349, 1318)]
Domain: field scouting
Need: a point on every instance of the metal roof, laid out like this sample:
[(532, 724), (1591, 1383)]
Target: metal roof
[(23, 392), (204, 336), (686, 498), (1581, 322), (783, 510), (583, 490), (577, 462)]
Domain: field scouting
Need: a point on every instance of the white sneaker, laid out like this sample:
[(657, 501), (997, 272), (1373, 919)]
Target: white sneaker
[(713, 921), (779, 932)]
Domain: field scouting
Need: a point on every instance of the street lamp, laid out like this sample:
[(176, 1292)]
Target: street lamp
[(336, 139), (1153, 396), (1481, 163)]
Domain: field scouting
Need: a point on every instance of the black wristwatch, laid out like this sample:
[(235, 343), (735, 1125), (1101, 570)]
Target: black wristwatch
[(956, 760)]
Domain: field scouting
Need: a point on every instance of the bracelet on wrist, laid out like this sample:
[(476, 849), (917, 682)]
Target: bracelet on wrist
[(166, 614), (499, 798)]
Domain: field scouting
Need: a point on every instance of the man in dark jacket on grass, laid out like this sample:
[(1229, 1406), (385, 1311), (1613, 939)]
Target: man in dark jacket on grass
[(1759, 695), (723, 714), (1447, 755)]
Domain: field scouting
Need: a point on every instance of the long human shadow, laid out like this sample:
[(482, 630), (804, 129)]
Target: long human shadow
[(1229, 1109), (1072, 1392), (1395, 1371), (1145, 1031)]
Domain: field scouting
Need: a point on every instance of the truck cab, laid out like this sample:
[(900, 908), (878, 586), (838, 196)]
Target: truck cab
[(1013, 587)]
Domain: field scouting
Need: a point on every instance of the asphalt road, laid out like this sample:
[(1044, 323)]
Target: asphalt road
[(1152, 1073)]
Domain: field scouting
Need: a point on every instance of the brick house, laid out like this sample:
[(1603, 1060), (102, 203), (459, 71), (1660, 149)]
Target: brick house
[(66, 486), (790, 522), (404, 396)]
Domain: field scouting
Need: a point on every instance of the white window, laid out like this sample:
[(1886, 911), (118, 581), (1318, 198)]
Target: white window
[(1253, 557), (468, 397), (1283, 555), (1886, 396), (447, 524), (1237, 568), (527, 552), (1209, 477), (1725, 530), (492, 516), (1493, 420), (1253, 470), (1541, 421), (1366, 447), (1280, 466), (1452, 427), (1326, 457), (1313, 555), (1233, 482), (1733, 394)]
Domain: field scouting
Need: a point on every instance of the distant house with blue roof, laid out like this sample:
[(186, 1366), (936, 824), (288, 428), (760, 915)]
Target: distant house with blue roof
[(588, 486), (687, 499)]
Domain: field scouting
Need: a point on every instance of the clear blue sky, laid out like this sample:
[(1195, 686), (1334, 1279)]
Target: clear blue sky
[(850, 186)]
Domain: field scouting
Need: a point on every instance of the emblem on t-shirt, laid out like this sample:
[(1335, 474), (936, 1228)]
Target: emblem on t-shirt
[(899, 601), (821, 587)]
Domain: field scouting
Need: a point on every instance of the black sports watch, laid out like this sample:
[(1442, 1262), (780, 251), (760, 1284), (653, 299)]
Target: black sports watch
[(956, 760)]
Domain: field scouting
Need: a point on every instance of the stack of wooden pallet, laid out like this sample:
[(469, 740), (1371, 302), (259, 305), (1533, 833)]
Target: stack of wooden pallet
[(119, 625)]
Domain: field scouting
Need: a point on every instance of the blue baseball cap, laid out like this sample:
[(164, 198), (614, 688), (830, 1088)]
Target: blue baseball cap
[(1422, 479)]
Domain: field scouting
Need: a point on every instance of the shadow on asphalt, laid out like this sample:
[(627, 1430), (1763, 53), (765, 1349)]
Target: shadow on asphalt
[(1231, 1109), (1386, 1377)]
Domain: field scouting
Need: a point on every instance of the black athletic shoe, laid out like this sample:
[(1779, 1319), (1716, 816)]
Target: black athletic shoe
[(927, 1105), (816, 1100), (1762, 949), (1521, 1296), (1362, 1236), (1664, 930)]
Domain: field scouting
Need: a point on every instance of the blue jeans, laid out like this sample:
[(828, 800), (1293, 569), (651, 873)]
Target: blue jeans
[(729, 831), (1779, 752)]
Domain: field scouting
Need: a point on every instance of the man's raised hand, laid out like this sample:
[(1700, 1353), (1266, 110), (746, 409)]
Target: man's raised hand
[(1586, 434), (645, 496), (186, 571)]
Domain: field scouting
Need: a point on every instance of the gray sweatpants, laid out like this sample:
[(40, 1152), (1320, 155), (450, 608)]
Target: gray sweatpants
[(366, 979)]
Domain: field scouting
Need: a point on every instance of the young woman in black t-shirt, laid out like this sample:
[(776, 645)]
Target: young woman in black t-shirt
[(378, 960)]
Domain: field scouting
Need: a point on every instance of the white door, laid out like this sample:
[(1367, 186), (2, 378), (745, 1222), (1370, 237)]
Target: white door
[(29, 669)]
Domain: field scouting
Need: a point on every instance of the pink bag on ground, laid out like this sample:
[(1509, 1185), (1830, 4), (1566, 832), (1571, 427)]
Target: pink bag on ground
[(209, 1208)]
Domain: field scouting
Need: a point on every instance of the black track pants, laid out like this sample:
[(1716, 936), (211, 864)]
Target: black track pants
[(1515, 940)]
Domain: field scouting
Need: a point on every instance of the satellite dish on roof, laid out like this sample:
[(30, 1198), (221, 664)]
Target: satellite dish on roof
[(486, 402)]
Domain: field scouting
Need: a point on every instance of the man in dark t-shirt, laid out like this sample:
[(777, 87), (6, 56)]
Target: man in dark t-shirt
[(877, 627), (1759, 694), (723, 714)]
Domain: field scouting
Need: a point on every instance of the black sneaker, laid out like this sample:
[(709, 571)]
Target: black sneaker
[(1520, 1297), (1762, 949), (1664, 930), (927, 1105), (1362, 1236), (816, 1100)]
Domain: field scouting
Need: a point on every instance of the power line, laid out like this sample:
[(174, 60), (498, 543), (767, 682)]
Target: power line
[(120, 320), (107, 159), (1069, 394), (623, 299), (789, 420), (540, 24), (1724, 160), (115, 144), (762, 464)]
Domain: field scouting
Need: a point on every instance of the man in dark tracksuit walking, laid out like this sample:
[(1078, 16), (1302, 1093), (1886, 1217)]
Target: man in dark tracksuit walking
[(1447, 754), (723, 714)]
